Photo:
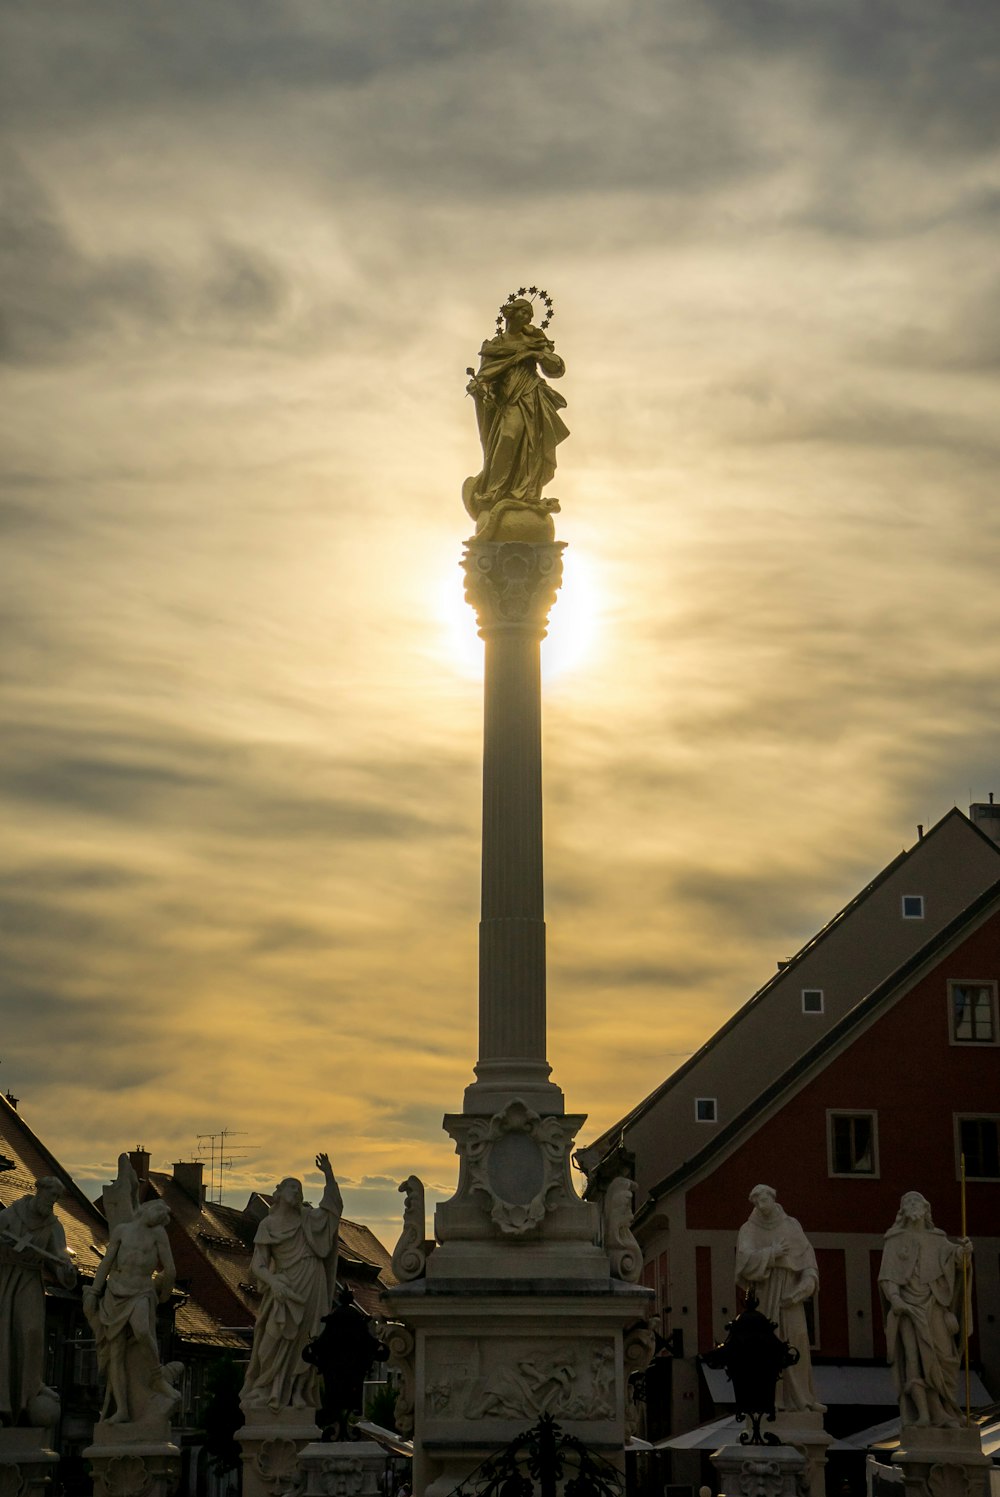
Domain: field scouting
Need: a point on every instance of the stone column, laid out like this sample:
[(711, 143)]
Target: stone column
[(512, 585)]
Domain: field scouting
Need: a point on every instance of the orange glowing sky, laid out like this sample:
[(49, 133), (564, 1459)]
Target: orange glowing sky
[(249, 252)]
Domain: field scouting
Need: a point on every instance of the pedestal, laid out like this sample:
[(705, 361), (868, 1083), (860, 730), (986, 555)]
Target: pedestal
[(127, 1461), (348, 1468), (942, 1462), (482, 1360), (27, 1462), (271, 1444), (806, 1434), (760, 1470)]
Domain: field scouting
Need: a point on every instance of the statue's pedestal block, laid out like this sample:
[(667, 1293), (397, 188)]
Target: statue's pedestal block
[(940, 1462), (134, 1460), (271, 1444), (27, 1462), (805, 1433), (348, 1468), (482, 1359), (760, 1470)]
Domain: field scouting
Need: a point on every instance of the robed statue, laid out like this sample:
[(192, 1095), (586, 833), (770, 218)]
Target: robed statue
[(32, 1249), (775, 1261), (295, 1263), (519, 422), (924, 1282)]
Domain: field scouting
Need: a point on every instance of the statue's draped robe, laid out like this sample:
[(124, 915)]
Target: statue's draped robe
[(303, 1250), (922, 1266), (520, 427), (773, 1280), (22, 1305)]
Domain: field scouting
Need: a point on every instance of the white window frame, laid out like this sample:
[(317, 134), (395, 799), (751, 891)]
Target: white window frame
[(972, 982), (852, 1112), (903, 910), (822, 1001), (713, 1102), (973, 1117)]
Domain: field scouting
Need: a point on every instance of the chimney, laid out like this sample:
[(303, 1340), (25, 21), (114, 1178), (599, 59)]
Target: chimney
[(138, 1158), (986, 816), (188, 1175), (12, 1100)]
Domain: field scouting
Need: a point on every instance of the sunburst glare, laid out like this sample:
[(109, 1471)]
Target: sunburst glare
[(574, 622)]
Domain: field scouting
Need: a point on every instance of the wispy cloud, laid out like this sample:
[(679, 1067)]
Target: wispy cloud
[(249, 252)]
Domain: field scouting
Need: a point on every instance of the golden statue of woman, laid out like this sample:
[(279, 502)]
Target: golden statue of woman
[(519, 427)]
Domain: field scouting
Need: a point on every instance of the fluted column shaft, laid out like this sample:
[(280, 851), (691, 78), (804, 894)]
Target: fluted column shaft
[(512, 929), (512, 585)]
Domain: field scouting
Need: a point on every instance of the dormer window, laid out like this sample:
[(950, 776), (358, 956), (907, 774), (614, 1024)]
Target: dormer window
[(812, 1000), (913, 906), (705, 1110)]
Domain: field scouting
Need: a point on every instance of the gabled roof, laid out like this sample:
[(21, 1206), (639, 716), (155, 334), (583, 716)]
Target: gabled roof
[(612, 1139), (85, 1227), (893, 987)]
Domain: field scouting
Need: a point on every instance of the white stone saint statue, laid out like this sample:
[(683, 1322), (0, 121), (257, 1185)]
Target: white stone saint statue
[(775, 1260), (295, 1260), (135, 1275), (32, 1248), (921, 1283)]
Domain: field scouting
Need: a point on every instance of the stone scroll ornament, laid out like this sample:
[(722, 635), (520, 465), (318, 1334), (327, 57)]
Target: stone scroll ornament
[(619, 1243), (517, 413), (409, 1257)]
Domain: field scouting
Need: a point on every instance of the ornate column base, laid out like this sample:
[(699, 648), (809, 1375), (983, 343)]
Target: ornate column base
[(806, 1434), (124, 1464), (272, 1443), (761, 1471), (347, 1468), (27, 1462), (942, 1462)]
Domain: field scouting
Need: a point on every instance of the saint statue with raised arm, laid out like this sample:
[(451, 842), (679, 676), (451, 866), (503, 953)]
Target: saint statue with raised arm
[(295, 1262)]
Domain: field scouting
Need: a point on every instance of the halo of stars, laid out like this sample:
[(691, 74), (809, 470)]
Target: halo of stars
[(533, 292)]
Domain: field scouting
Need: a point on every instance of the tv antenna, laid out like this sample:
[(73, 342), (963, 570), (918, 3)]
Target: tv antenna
[(220, 1158)]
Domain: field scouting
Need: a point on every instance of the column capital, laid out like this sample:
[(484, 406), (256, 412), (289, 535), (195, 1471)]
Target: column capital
[(512, 584)]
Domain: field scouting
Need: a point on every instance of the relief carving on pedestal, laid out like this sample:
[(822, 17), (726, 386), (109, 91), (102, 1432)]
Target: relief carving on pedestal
[(127, 1476), (518, 1160), (946, 1480), (277, 1464), (486, 1379)]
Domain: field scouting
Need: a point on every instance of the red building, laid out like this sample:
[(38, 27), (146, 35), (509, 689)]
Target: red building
[(899, 1077)]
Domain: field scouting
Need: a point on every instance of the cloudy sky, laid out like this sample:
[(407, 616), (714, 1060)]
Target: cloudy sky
[(247, 251)]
